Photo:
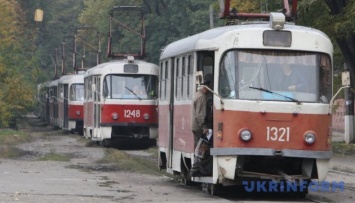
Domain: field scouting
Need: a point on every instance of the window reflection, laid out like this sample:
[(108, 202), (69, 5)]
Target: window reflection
[(130, 87), (77, 92)]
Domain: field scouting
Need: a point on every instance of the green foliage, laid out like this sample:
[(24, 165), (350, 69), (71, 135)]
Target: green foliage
[(16, 95), (165, 21), (55, 157), (341, 148), (128, 162)]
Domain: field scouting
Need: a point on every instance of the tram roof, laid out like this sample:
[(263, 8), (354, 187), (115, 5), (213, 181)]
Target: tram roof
[(53, 83), (74, 78), (116, 66), (205, 40)]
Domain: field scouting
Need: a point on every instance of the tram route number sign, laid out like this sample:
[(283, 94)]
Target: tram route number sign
[(277, 134)]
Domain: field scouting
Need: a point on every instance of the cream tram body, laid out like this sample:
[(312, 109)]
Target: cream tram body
[(255, 132)]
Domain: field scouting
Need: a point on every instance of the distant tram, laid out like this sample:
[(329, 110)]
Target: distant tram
[(261, 130), (121, 101), (71, 102)]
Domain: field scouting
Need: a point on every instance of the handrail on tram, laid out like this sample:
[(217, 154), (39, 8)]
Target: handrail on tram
[(336, 94), (220, 98)]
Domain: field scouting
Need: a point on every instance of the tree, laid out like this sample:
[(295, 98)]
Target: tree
[(16, 96)]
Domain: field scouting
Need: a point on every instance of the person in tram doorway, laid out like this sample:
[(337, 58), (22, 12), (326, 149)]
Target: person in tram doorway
[(202, 131)]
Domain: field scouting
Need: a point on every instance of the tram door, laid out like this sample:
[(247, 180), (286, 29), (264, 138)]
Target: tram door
[(47, 118), (205, 65), (66, 107), (97, 109), (55, 106), (171, 75)]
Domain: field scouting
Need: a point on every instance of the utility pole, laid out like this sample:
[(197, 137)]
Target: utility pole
[(211, 16), (349, 110)]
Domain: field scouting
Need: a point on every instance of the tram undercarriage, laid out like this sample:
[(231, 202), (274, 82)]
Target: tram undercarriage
[(231, 170)]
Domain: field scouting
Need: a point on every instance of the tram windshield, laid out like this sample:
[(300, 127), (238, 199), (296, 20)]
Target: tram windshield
[(130, 87), (77, 92), (276, 75)]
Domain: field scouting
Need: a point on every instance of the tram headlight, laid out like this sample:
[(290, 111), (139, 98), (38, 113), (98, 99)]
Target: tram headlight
[(77, 113), (114, 116), (146, 116), (245, 135), (309, 138)]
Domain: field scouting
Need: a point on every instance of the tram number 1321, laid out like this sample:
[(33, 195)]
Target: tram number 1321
[(132, 113), (277, 134)]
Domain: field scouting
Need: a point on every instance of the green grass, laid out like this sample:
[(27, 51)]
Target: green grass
[(8, 141), (55, 157), (11, 137), (341, 148), (128, 162)]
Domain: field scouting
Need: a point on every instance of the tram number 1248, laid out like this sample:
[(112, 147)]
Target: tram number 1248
[(132, 113), (278, 134)]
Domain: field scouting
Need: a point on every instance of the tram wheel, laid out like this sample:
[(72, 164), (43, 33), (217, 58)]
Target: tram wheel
[(185, 181), (105, 143), (209, 188), (302, 194)]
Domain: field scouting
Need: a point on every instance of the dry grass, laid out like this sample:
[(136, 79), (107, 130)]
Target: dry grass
[(341, 148), (8, 141), (55, 157), (131, 163)]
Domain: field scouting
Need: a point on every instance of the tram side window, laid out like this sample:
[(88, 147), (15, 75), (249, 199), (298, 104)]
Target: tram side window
[(85, 89), (190, 69), (98, 88), (90, 88), (76, 92), (161, 81), (107, 87), (183, 78), (164, 83), (178, 79), (166, 80), (50, 94), (325, 75), (61, 91)]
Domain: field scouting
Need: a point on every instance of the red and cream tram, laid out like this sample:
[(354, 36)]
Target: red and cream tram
[(121, 101), (262, 128), (71, 102)]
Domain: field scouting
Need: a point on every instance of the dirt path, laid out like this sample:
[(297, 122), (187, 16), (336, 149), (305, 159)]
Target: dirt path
[(38, 176), (81, 179)]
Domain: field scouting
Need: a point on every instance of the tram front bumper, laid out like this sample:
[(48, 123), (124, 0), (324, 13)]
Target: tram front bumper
[(272, 152)]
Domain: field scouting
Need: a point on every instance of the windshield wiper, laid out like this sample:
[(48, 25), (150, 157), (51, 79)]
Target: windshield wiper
[(133, 93), (271, 92)]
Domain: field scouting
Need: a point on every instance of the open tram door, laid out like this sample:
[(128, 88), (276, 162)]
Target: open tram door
[(205, 72)]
